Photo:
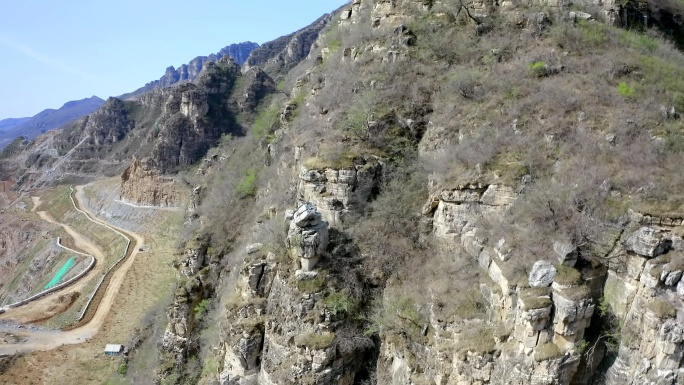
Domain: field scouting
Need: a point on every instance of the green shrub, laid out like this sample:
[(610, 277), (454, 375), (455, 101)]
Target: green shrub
[(201, 309), (334, 45), (311, 286), (248, 185), (122, 369), (639, 41), (340, 303), (211, 366), (538, 69), (626, 90), (266, 122), (667, 75), (581, 346), (594, 34)]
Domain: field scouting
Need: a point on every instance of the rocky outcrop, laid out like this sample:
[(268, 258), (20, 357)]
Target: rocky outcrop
[(307, 238), (142, 185), (200, 274), (542, 274), (257, 85), (96, 132), (299, 341), (277, 329), (281, 55), (189, 72), (242, 331), (642, 292), (337, 192), (541, 320), (453, 212), (194, 117)]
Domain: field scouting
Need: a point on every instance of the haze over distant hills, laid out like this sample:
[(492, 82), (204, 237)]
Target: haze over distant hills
[(49, 119), (8, 124)]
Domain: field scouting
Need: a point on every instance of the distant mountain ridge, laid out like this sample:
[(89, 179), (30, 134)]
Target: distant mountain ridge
[(188, 72), (8, 124), (50, 119)]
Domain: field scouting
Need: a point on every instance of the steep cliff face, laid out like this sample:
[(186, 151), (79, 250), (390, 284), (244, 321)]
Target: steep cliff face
[(281, 55), (336, 192), (195, 116), (143, 185), (545, 327)]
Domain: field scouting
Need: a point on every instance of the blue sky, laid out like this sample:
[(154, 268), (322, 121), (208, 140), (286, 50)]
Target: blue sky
[(52, 51)]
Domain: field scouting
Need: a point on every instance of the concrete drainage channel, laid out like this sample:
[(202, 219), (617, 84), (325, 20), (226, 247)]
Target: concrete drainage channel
[(93, 302)]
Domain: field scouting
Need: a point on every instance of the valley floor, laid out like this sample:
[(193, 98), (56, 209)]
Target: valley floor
[(139, 284)]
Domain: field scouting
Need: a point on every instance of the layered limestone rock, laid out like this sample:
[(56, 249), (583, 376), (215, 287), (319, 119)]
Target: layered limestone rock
[(535, 318), (277, 329), (242, 331), (642, 292), (299, 341), (143, 185), (200, 273), (307, 237), (542, 274), (104, 127), (336, 192), (189, 123), (454, 212)]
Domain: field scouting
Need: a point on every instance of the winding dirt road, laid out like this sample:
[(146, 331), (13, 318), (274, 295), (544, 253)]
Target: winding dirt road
[(47, 340)]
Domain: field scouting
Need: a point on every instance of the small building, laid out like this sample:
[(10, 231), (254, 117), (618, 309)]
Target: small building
[(113, 349)]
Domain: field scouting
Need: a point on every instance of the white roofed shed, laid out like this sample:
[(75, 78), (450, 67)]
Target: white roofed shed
[(113, 349)]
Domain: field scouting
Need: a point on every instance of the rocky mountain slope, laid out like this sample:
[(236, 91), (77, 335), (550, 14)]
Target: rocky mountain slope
[(189, 72), (51, 119), (168, 128), (449, 195), (436, 192), (280, 55)]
